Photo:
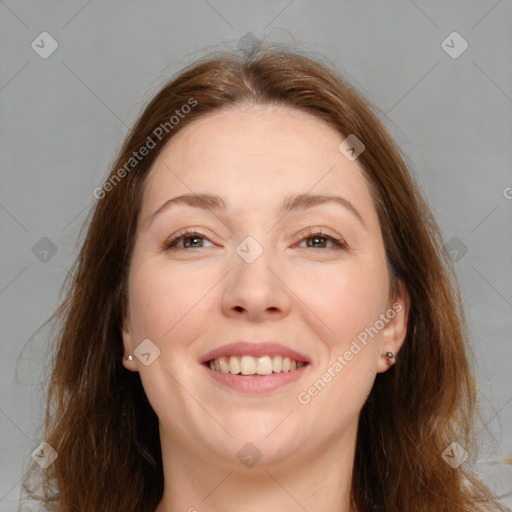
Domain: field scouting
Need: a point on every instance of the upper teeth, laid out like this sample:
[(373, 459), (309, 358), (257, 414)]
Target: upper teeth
[(248, 365)]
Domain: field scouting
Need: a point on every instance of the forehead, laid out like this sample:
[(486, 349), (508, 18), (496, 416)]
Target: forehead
[(253, 153)]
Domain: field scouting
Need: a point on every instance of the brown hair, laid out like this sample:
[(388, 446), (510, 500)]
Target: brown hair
[(98, 418)]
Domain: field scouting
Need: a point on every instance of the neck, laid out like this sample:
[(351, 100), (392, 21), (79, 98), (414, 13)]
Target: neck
[(313, 478)]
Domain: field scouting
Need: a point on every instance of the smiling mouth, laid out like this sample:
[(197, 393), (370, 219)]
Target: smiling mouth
[(248, 365)]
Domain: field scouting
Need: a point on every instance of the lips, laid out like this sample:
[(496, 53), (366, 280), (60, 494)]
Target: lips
[(259, 349)]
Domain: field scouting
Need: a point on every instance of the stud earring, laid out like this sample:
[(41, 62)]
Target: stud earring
[(390, 358), (129, 357)]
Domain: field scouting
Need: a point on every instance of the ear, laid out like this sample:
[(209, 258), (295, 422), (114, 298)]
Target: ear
[(395, 330), (126, 333)]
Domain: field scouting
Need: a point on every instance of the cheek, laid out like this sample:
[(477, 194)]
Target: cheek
[(347, 299), (353, 299), (342, 390), (166, 302), (170, 307)]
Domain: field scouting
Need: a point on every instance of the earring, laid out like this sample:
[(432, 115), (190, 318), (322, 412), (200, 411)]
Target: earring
[(129, 357), (390, 358)]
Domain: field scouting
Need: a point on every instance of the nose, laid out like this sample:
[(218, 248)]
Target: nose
[(256, 291)]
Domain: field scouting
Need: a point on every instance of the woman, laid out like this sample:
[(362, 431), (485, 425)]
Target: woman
[(261, 316)]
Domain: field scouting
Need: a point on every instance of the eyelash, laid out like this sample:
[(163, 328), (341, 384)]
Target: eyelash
[(171, 243)]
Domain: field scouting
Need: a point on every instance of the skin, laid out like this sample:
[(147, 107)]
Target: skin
[(301, 292)]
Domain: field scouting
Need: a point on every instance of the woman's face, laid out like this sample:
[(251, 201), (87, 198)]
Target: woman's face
[(262, 267)]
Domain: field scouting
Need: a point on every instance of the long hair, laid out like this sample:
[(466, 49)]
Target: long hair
[(98, 418)]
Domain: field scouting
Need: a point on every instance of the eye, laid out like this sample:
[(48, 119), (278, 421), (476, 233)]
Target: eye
[(320, 240), (190, 239), (195, 240)]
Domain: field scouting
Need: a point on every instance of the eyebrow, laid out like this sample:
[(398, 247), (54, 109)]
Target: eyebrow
[(215, 203)]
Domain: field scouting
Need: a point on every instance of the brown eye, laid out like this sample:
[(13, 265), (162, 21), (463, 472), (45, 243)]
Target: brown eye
[(320, 240), (190, 239)]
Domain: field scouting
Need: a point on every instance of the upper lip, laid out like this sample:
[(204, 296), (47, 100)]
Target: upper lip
[(256, 349)]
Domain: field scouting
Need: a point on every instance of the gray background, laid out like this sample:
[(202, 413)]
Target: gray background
[(64, 117)]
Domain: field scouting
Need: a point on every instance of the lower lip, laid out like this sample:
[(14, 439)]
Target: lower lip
[(256, 383)]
